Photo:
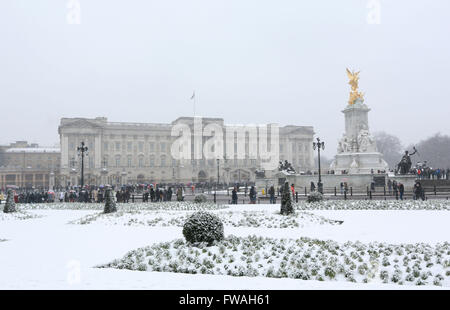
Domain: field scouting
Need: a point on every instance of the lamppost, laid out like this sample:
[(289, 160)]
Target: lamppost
[(319, 145), (81, 152), (218, 173)]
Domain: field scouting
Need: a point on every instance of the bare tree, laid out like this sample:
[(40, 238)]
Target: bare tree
[(435, 150), (390, 146)]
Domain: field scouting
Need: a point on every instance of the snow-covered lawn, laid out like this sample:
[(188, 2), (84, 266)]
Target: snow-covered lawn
[(47, 252), (375, 205)]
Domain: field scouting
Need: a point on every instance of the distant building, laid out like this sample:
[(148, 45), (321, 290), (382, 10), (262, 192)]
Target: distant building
[(29, 166), (123, 153)]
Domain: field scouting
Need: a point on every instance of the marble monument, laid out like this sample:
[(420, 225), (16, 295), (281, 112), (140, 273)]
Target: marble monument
[(357, 150)]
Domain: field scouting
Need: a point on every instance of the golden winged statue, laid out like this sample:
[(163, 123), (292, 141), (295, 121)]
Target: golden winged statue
[(354, 94)]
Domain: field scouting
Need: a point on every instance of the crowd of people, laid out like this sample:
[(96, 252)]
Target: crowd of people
[(94, 194), (124, 194), (428, 173)]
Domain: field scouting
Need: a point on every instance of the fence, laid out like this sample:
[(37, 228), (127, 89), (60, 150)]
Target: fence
[(330, 193)]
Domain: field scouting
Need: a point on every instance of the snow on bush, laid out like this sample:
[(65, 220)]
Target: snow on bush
[(441, 205), (110, 204), (256, 219), (203, 227), (169, 205), (305, 258), (200, 198), (314, 197), (18, 215)]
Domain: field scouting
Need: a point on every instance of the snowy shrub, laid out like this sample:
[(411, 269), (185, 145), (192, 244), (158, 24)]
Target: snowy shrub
[(375, 205), (329, 272), (314, 197), (10, 205), (18, 215), (200, 198), (110, 204), (384, 275), (395, 278), (203, 227), (302, 258)]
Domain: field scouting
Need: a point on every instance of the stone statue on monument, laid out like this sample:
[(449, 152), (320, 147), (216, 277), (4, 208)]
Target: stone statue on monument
[(404, 166), (344, 145), (366, 142), (355, 95), (286, 167)]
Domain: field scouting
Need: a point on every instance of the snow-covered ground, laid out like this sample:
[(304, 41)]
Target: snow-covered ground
[(45, 252)]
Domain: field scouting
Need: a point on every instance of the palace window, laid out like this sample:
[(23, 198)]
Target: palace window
[(152, 161)]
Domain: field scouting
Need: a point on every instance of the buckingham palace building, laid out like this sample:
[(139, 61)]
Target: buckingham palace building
[(141, 153)]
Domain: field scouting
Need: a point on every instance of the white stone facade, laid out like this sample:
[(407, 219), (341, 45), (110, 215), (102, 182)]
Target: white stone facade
[(129, 153)]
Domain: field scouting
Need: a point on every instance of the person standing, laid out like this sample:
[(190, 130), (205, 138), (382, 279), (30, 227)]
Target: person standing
[(118, 197), (234, 196), (179, 194), (395, 188), (169, 194), (418, 191), (272, 194), (152, 194), (401, 189), (312, 187), (252, 195)]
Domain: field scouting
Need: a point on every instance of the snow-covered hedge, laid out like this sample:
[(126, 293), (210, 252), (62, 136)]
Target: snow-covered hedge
[(305, 258), (375, 205), (314, 197), (18, 215), (203, 227), (256, 219), (169, 205), (200, 198)]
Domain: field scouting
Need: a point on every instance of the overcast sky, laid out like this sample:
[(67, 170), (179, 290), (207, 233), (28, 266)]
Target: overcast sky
[(249, 61)]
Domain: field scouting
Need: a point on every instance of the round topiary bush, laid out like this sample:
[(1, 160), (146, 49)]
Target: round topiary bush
[(314, 197), (203, 227), (200, 198)]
